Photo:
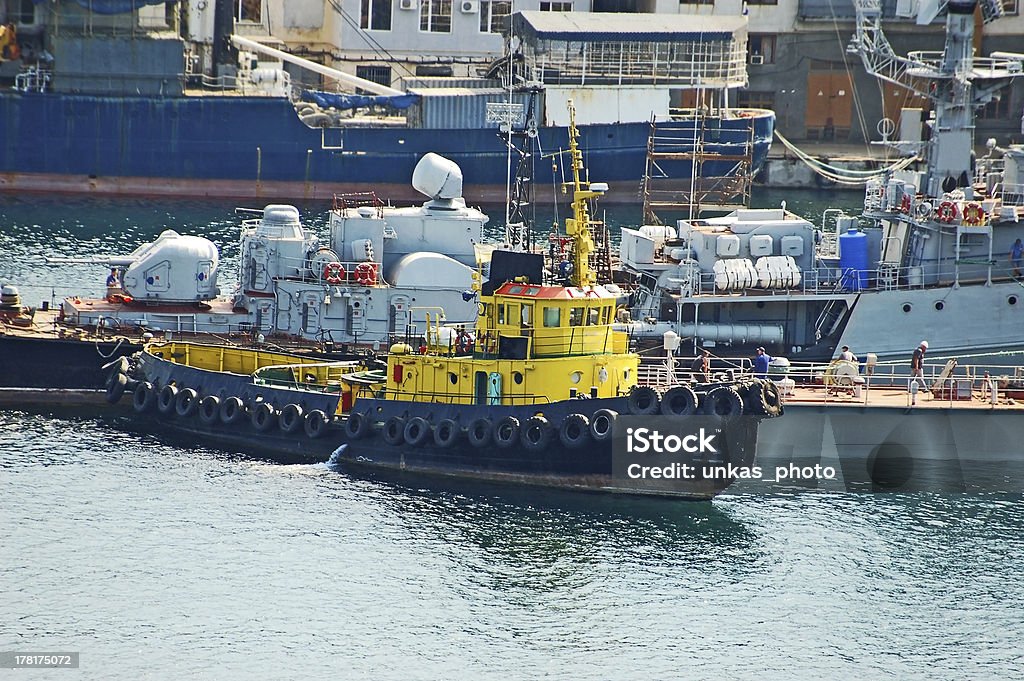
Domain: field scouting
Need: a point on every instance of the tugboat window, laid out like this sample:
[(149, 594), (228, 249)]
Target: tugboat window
[(552, 316), (593, 317), (907, 307), (939, 305), (517, 377), (576, 316), (1012, 300), (453, 377)]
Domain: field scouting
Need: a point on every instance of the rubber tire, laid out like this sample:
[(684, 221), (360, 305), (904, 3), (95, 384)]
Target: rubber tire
[(416, 431), (209, 410), (602, 424), (447, 433), (480, 432), (679, 400), (506, 432), (771, 399), (116, 387), (574, 431), (143, 398), (166, 399), (186, 403), (231, 411), (394, 431), (536, 434), (642, 401), (291, 418), (315, 424), (357, 426), (723, 401), (263, 416)]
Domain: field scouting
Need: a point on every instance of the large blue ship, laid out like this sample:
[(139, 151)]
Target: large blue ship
[(107, 110)]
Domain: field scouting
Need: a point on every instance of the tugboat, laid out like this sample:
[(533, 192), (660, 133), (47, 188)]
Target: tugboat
[(543, 391)]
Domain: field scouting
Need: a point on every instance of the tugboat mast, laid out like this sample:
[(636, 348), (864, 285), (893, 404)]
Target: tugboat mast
[(578, 227)]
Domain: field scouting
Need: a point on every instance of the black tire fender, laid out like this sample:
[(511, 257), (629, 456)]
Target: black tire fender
[(506, 432), (166, 399), (447, 433), (394, 431), (315, 424), (536, 433), (679, 400), (144, 397), (231, 411), (263, 416), (291, 418), (602, 424), (480, 432), (209, 410), (642, 400), (416, 431), (574, 431), (186, 403)]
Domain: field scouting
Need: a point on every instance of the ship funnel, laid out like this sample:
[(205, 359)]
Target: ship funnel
[(437, 177)]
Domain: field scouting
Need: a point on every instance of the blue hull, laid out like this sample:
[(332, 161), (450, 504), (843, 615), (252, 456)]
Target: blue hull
[(234, 146)]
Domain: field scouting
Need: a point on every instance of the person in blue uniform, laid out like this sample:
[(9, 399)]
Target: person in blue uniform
[(1016, 255), (761, 361)]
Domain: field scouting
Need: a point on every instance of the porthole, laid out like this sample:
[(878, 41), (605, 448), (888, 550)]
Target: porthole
[(517, 377), (939, 305), (1011, 300), (576, 376), (907, 307), (453, 378)]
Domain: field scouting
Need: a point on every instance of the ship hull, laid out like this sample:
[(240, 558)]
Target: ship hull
[(256, 147)]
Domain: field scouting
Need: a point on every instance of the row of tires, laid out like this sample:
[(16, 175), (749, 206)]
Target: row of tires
[(754, 397), (534, 434), (211, 410)]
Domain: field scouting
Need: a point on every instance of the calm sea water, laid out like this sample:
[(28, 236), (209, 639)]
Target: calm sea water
[(159, 559)]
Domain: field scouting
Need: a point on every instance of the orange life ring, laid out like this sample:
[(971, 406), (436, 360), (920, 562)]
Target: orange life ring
[(974, 214), (947, 212), (334, 273), (905, 204), (366, 274)]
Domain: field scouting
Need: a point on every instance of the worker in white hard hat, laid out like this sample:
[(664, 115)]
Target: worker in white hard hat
[(917, 365)]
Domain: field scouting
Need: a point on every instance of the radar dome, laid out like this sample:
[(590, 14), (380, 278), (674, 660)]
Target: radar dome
[(437, 177)]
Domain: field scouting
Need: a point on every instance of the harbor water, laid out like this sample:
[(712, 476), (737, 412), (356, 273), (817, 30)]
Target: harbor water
[(157, 557)]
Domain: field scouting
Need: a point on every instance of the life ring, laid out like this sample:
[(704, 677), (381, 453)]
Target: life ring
[(506, 432), (416, 431), (905, 204), (974, 214), (209, 410), (291, 418), (165, 400), (334, 273), (463, 343), (186, 403), (315, 424), (366, 274), (947, 212), (394, 430), (231, 411), (679, 400), (535, 435), (262, 418), (447, 433), (480, 432), (143, 397), (723, 401), (357, 426), (602, 424), (574, 431), (642, 400)]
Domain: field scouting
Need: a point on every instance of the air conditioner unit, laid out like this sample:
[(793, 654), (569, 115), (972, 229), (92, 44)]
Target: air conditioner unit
[(469, 6), (754, 58), (407, 4)]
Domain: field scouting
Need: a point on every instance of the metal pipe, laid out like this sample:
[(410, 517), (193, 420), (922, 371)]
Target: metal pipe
[(354, 81)]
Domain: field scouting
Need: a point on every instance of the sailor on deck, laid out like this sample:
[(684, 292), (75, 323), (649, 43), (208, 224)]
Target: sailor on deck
[(761, 362)]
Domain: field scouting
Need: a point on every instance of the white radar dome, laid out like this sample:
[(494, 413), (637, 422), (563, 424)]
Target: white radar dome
[(437, 177)]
